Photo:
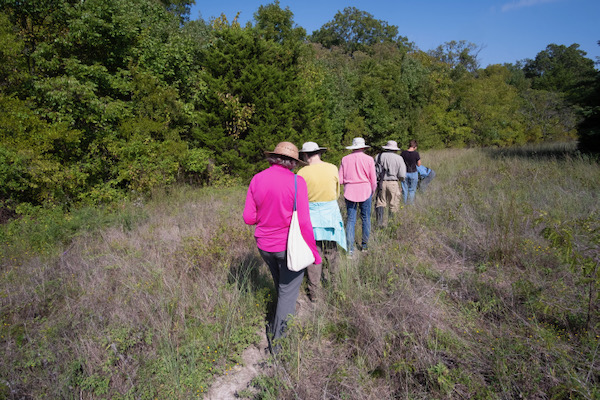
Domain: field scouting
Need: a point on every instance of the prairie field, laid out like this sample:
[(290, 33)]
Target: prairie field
[(486, 288)]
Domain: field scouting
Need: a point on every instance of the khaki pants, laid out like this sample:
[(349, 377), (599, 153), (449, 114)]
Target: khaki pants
[(389, 196), (329, 253)]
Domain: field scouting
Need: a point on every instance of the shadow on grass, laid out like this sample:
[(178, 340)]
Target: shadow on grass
[(246, 273), (537, 151)]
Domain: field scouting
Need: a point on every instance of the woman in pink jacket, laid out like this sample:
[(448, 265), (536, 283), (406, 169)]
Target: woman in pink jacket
[(269, 206)]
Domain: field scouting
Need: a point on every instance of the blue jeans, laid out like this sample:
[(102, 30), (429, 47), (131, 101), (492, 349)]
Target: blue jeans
[(365, 215), (409, 187)]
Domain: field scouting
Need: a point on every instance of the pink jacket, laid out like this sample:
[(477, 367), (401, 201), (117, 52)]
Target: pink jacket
[(357, 174), (269, 206)]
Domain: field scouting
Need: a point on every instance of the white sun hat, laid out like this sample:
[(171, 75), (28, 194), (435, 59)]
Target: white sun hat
[(391, 145), (311, 147), (357, 143)]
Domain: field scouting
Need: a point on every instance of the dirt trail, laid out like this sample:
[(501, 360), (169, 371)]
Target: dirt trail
[(226, 387)]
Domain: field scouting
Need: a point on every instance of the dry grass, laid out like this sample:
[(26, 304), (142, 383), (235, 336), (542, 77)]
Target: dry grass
[(127, 312), (461, 296)]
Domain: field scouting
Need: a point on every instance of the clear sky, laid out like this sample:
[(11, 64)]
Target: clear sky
[(507, 30)]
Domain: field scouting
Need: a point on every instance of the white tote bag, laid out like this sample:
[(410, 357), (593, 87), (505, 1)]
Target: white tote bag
[(299, 255)]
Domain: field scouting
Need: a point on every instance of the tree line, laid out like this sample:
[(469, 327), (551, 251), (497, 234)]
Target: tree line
[(102, 99)]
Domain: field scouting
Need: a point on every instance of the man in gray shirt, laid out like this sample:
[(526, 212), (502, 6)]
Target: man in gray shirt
[(391, 169)]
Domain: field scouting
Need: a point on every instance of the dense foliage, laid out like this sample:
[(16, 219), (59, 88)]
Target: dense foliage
[(104, 99)]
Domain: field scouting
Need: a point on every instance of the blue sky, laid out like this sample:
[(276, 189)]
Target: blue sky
[(507, 30)]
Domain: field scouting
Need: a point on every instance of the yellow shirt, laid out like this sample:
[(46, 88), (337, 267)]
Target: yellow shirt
[(322, 181)]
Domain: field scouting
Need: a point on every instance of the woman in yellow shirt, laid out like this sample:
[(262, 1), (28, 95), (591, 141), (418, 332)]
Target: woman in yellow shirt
[(322, 182)]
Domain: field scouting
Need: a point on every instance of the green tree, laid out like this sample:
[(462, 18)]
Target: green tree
[(589, 128), (377, 95), (32, 165), (256, 96), (103, 79), (442, 123), (356, 30), (461, 56), (11, 60), (517, 76), (492, 107), (277, 24), (338, 77), (181, 8), (36, 22), (547, 116), (562, 69), (566, 70)]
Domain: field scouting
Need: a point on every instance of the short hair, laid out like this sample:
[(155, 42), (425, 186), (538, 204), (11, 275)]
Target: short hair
[(412, 143), (304, 155), (286, 162)]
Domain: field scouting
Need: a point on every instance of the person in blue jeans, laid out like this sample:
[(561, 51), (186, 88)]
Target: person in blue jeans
[(352, 209), (357, 174), (412, 160)]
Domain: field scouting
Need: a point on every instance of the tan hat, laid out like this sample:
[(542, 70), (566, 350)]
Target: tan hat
[(286, 149), (391, 145), (358, 143)]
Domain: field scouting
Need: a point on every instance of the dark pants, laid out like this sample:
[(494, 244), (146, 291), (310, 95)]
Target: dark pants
[(287, 284)]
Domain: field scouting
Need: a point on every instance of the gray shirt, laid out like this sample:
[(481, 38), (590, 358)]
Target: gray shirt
[(390, 166)]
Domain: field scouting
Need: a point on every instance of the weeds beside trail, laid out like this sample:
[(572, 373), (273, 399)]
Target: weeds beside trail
[(154, 308), (486, 288)]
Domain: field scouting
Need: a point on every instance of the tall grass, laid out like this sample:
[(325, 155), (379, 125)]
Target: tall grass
[(154, 309), (462, 295), (479, 290)]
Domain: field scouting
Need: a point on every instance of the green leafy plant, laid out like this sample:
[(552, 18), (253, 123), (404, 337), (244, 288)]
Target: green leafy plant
[(577, 243)]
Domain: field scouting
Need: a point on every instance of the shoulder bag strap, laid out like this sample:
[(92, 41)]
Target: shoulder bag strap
[(295, 189), (381, 173)]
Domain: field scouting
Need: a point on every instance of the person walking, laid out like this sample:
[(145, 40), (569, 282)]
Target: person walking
[(390, 168), (357, 174), (322, 181), (269, 206), (412, 160)]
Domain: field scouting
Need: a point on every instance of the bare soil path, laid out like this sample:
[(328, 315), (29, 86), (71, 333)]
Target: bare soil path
[(227, 387)]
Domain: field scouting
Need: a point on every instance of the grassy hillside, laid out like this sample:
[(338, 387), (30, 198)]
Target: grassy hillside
[(486, 288)]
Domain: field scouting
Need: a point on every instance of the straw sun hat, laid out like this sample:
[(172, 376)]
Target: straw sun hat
[(286, 149)]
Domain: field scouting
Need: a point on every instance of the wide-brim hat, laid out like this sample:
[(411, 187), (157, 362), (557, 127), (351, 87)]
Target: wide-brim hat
[(358, 143), (286, 149), (312, 147), (391, 145)]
